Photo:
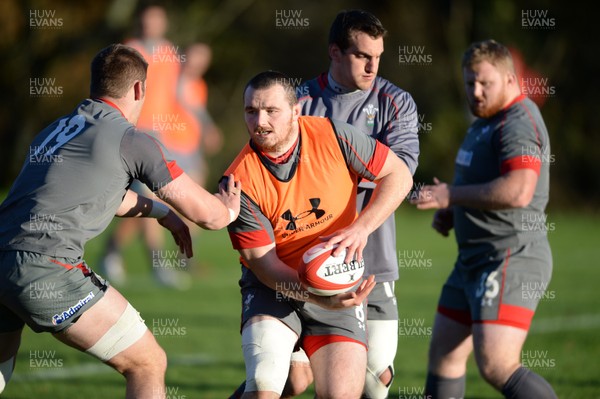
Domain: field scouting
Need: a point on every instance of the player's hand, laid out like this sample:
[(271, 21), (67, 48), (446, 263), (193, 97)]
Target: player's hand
[(347, 299), (443, 221), (229, 194), (352, 238), (180, 232), (435, 196)]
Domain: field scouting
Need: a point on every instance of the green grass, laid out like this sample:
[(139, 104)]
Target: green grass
[(205, 359)]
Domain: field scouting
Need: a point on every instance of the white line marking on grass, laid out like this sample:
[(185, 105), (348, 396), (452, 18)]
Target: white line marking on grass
[(87, 369), (565, 323)]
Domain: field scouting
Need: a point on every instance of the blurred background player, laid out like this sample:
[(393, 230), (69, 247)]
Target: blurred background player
[(164, 116), (501, 185), (352, 92), (192, 92)]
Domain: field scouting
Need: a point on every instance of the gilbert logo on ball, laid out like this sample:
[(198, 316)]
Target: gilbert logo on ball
[(325, 274)]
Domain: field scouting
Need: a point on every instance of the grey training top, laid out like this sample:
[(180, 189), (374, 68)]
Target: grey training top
[(75, 177), (514, 138)]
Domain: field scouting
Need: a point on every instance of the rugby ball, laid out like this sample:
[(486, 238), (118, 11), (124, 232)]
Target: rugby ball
[(324, 274)]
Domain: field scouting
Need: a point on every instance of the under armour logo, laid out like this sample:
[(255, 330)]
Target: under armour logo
[(287, 215)]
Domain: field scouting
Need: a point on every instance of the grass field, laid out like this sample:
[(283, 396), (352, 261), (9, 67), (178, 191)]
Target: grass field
[(199, 328)]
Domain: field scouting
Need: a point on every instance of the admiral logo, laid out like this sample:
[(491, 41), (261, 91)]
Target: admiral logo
[(371, 112), (67, 314), (247, 302)]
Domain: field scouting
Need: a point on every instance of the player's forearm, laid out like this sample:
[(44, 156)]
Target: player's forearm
[(505, 192), (207, 212), (196, 204), (275, 274)]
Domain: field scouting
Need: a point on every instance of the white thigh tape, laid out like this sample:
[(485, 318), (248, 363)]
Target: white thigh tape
[(267, 346), (125, 332)]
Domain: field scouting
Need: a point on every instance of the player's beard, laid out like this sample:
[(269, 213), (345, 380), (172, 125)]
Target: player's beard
[(275, 146), (491, 106)]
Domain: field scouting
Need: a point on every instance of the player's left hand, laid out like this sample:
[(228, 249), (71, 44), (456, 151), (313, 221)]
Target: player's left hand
[(229, 194), (180, 232), (435, 196)]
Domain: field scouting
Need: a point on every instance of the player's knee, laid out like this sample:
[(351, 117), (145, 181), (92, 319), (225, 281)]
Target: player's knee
[(127, 331), (6, 370), (377, 385), (267, 345), (338, 391), (299, 380), (495, 374)]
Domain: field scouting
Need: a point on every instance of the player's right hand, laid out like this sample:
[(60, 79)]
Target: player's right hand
[(443, 221), (180, 232), (347, 299)]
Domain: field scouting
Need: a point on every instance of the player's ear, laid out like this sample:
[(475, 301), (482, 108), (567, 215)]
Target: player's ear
[(139, 90), (296, 112), (334, 52), (511, 78)]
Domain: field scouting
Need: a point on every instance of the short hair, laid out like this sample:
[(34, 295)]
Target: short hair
[(346, 23), (267, 79), (114, 70), (491, 51)]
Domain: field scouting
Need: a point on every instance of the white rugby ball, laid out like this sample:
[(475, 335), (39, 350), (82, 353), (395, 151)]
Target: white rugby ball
[(324, 274)]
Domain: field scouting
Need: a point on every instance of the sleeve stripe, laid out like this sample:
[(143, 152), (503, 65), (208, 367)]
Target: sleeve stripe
[(254, 238), (378, 159), (249, 239), (521, 162), (174, 170)]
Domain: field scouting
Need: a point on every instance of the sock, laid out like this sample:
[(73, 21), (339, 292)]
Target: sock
[(524, 383), (239, 391), (437, 387)]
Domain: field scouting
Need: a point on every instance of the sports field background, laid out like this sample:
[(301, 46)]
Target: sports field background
[(198, 328)]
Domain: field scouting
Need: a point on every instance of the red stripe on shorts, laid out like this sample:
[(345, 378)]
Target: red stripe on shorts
[(512, 315), (86, 271), (312, 343)]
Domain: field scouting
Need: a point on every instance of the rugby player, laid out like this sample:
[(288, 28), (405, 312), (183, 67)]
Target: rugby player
[(500, 185), (299, 176), (74, 181), (351, 91)]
